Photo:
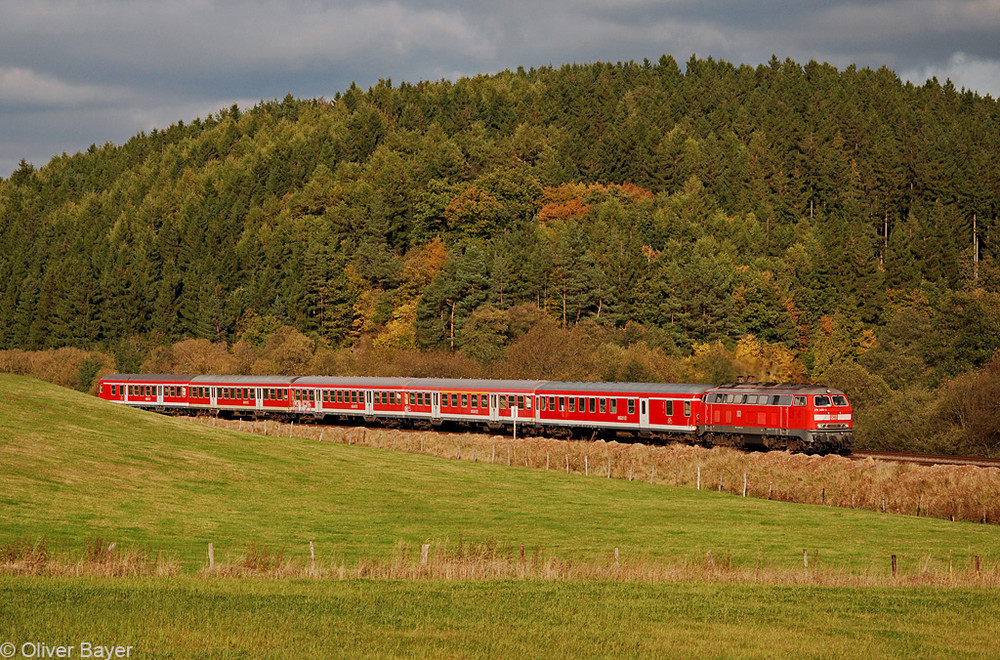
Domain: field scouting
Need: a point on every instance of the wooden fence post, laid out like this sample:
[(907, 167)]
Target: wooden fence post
[(211, 556), (699, 478), (617, 563), (652, 474), (567, 463), (894, 567), (586, 466), (805, 559), (744, 484), (425, 551), (312, 558)]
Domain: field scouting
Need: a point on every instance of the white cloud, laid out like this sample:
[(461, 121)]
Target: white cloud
[(25, 87), (964, 71)]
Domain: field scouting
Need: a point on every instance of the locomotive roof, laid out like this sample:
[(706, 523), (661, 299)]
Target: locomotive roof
[(656, 388), (778, 388)]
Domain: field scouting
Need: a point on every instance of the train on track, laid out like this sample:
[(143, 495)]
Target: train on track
[(797, 417)]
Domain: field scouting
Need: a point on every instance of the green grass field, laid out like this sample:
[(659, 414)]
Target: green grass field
[(74, 468), (187, 617), (173, 486)]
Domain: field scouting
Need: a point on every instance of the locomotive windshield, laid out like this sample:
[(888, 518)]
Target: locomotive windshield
[(822, 401), (839, 400)]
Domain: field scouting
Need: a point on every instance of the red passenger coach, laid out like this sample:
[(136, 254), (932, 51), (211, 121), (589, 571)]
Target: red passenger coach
[(158, 391), (247, 394), (649, 409)]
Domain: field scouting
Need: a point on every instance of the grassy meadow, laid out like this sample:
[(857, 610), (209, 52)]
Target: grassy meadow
[(698, 574), (171, 486), (188, 617)]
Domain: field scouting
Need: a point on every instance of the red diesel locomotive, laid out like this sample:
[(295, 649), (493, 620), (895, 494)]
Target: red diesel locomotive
[(806, 418)]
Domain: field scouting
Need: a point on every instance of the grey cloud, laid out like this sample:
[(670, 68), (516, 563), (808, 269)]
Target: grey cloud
[(106, 69)]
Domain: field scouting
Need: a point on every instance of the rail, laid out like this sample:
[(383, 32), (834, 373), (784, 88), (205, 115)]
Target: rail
[(926, 459)]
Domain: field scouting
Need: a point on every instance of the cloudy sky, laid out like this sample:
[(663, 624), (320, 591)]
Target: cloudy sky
[(78, 72)]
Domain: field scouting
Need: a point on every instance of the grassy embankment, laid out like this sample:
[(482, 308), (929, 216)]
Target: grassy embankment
[(160, 485), (76, 468)]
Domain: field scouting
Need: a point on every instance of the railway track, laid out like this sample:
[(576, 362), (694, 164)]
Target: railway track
[(926, 459)]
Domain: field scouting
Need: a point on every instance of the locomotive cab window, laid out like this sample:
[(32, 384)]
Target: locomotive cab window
[(821, 401), (839, 400)]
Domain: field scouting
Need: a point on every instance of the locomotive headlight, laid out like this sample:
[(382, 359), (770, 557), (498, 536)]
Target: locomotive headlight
[(831, 426)]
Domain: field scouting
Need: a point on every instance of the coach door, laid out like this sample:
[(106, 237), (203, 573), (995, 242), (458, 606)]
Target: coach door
[(159, 394), (436, 405), (494, 408), (369, 406), (260, 397), (643, 414)]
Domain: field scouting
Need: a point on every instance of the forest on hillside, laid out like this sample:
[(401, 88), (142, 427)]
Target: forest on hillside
[(630, 221)]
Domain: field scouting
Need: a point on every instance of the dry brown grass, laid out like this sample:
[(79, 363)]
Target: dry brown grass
[(942, 491), (99, 559), (456, 561)]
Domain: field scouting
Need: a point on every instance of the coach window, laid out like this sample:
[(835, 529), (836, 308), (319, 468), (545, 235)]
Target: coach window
[(614, 406), (687, 408), (821, 401), (593, 404), (798, 401), (465, 400), (484, 401), (503, 402), (572, 404), (604, 405), (668, 408), (562, 404)]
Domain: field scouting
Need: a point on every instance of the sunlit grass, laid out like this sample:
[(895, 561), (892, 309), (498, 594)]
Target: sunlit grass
[(191, 617), (74, 468)]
